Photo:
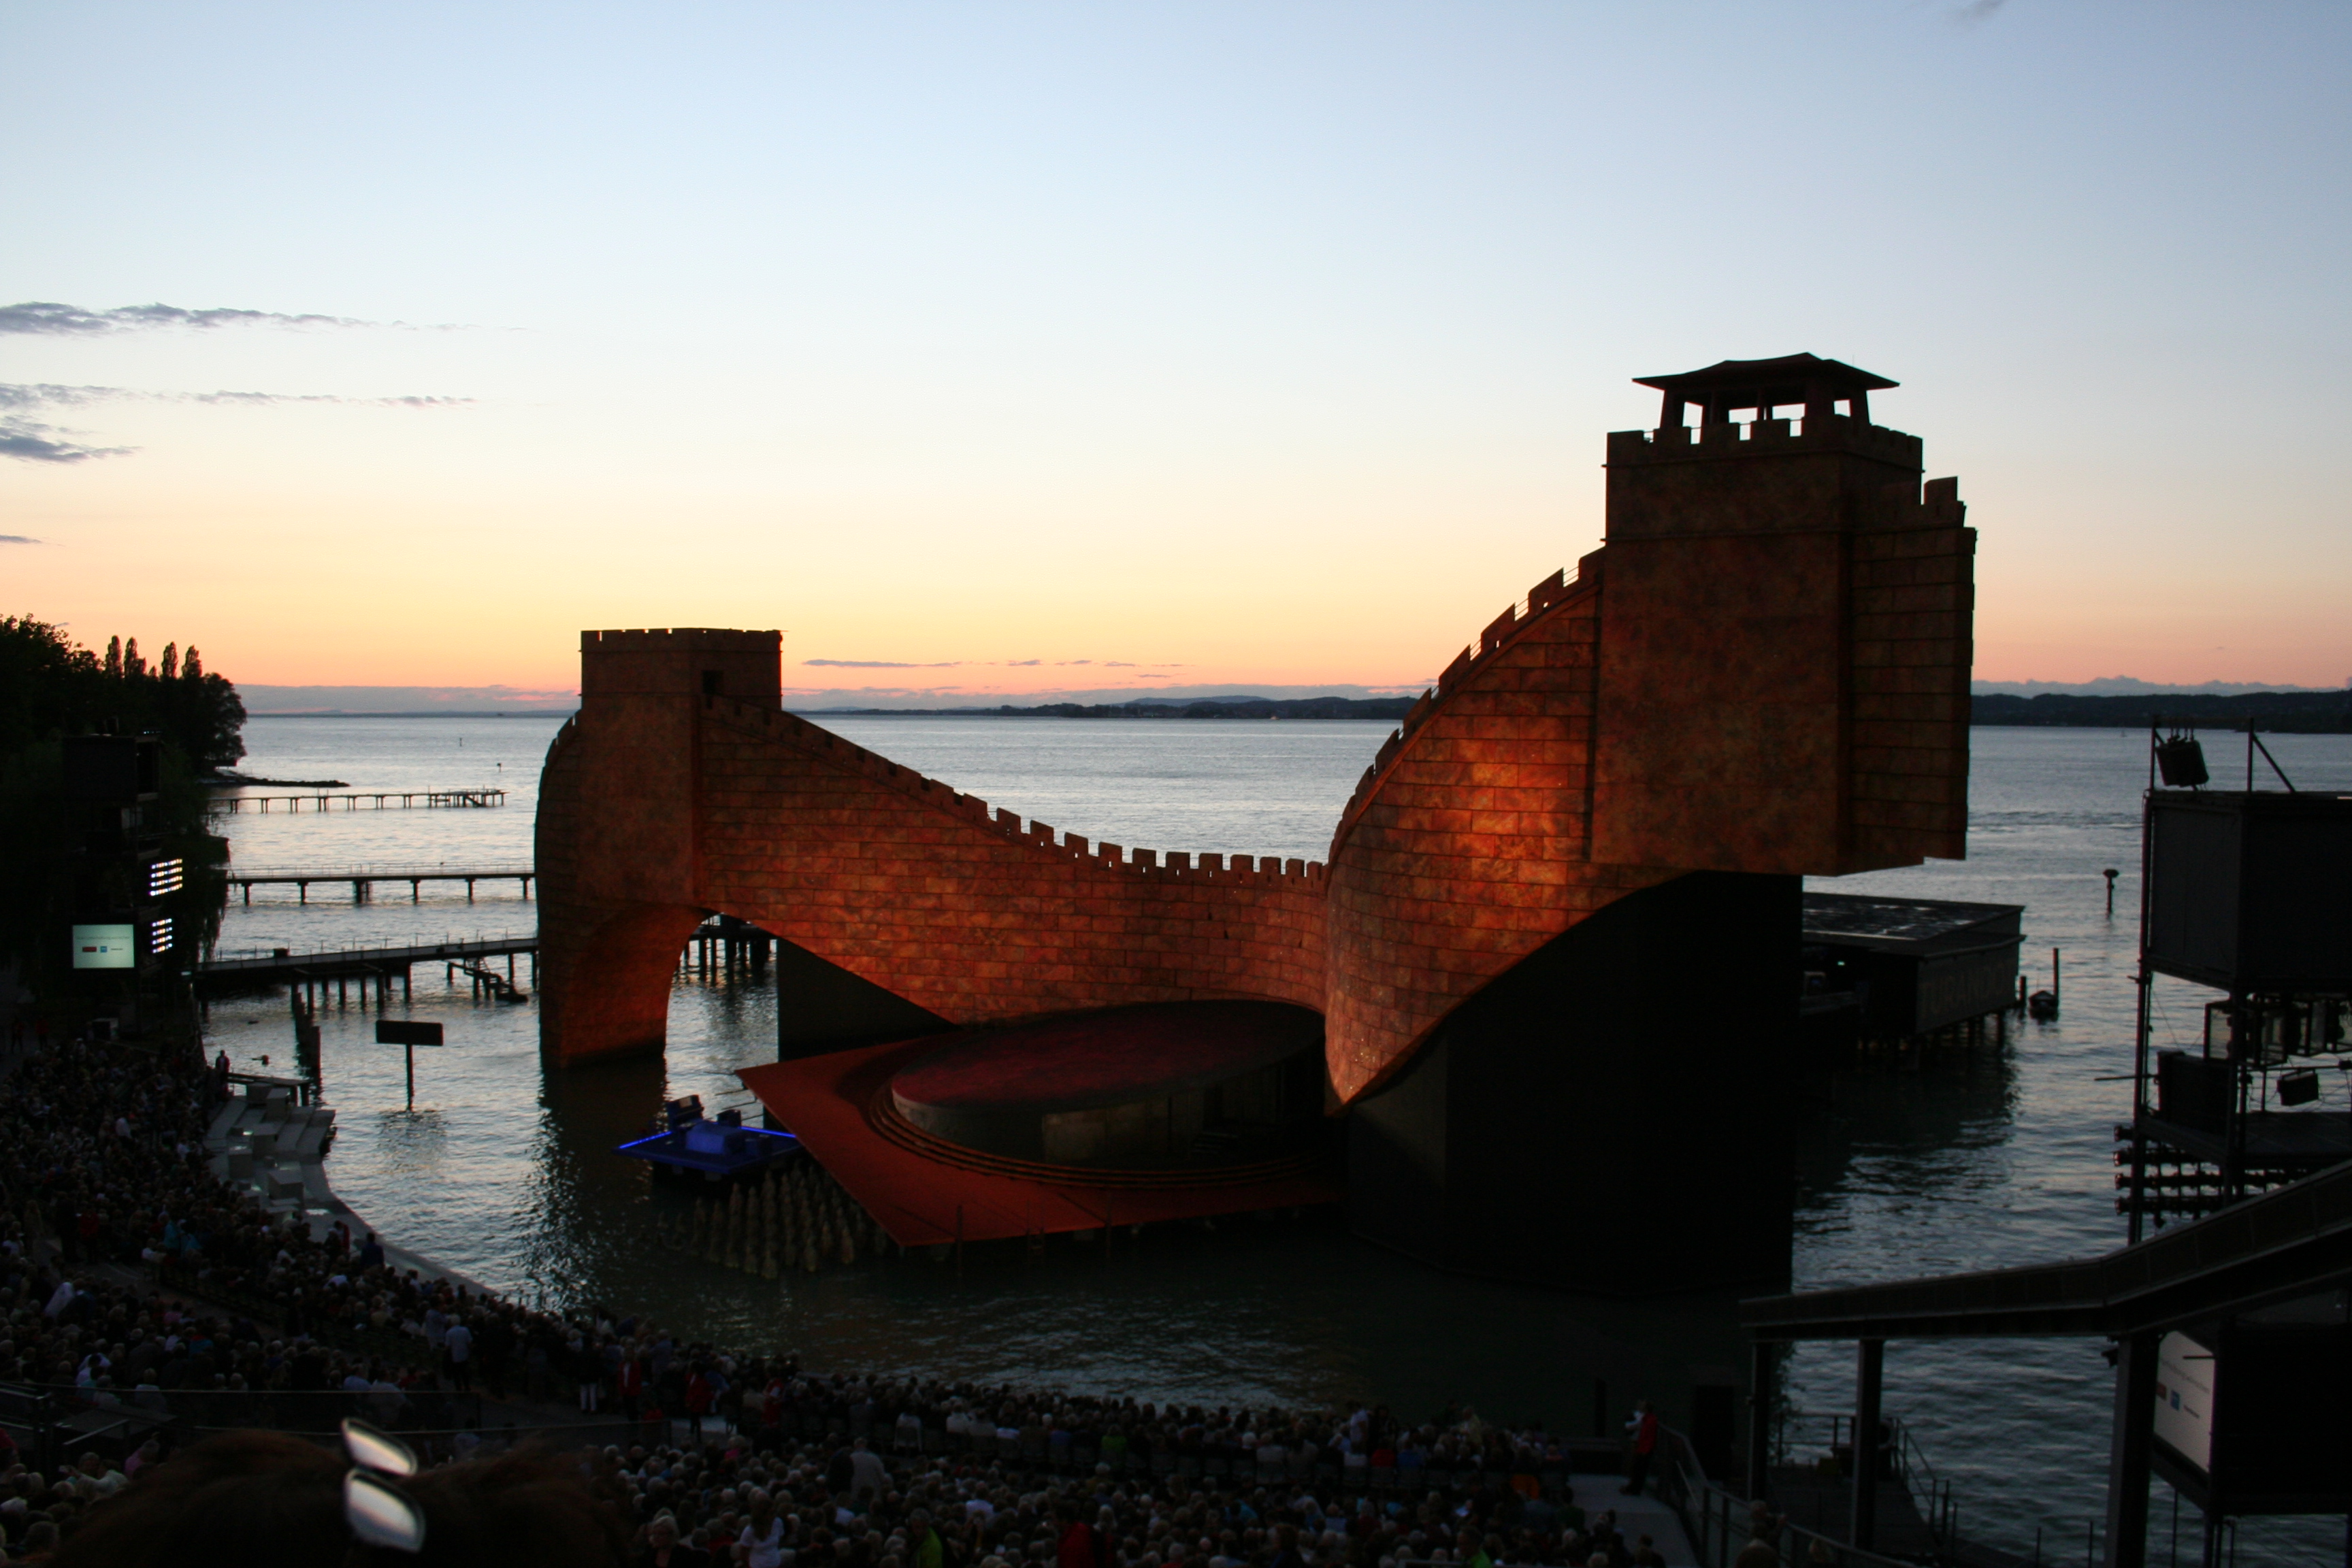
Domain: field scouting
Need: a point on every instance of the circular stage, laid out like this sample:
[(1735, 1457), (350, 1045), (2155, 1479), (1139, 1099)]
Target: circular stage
[(1160, 1085)]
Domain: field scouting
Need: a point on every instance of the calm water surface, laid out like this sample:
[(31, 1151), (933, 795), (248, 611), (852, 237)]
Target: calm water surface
[(504, 1173)]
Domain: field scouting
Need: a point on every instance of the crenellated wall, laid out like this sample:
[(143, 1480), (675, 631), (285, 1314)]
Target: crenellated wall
[(1467, 845), (656, 809), (1764, 671)]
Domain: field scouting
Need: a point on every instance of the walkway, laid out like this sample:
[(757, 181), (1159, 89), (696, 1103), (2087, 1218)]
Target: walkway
[(329, 964), (361, 877), (436, 799)]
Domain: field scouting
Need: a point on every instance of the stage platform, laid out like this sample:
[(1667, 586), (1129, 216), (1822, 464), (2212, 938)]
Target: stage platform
[(925, 1191)]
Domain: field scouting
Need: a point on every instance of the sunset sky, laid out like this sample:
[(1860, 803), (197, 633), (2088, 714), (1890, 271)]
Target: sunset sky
[(1015, 348)]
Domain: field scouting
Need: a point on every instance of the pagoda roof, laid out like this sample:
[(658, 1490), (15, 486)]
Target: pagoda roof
[(1747, 372)]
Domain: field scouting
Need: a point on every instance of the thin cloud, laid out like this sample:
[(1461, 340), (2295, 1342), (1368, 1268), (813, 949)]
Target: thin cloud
[(879, 664), (17, 539), (30, 441), (44, 395), (48, 317)]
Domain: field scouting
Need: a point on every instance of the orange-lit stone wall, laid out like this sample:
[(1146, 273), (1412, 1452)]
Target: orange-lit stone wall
[(654, 811), (1764, 670)]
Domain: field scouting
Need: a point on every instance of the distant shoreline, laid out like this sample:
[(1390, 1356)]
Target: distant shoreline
[(420, 713), (2281, 712), (2275, 712)]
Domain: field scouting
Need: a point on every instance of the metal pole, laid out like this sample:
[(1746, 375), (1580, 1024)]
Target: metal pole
[(1759, 1420), (2143, 982), (1869, 1379), (411, 1074), (2128, 1451)]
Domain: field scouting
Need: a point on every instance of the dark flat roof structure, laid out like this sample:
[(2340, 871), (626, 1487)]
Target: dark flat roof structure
[(1924, 926)]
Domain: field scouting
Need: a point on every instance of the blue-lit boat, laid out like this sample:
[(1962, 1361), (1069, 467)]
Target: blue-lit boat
[(715, 1149)]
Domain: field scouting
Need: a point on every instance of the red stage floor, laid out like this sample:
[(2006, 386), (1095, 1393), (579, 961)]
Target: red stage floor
[(920, 1201)]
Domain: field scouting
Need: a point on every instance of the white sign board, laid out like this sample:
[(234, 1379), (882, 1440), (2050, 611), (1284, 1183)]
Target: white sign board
[(105, 947), (2184, 1399)]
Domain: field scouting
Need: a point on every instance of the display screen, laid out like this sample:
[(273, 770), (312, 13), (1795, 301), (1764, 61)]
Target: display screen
[(2184, 1399), (105, 947)]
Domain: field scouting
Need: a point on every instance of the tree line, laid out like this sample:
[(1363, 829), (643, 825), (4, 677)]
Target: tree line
[(2304, 712), (52, 689)]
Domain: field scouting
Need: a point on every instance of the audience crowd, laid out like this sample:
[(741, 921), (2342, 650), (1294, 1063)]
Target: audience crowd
[(131, 1277)]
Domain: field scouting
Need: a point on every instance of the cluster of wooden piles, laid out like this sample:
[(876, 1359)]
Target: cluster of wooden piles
[(798, 1216)]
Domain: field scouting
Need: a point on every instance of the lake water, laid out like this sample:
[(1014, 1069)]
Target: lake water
[(1972, 1161)]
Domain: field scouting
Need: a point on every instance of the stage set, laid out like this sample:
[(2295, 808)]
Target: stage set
[(1533, 1017)]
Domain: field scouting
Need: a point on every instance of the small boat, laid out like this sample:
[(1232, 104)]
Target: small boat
[(684, 1142)]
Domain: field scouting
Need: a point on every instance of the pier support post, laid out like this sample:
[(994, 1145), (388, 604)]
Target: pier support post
[(2128, 1451), (1869, 1383), (1759, 1420)]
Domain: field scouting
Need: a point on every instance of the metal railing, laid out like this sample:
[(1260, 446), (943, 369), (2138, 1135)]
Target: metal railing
[(1719, 1523), (233, 960), (1930, 1493)]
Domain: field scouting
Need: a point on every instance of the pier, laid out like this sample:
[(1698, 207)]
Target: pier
[(313, 973), (389, 800), (718, 948), (363, 878)]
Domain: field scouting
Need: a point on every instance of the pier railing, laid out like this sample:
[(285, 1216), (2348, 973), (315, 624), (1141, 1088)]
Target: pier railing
[(363, 877), (373, 873), (253, 960), (386, 800)]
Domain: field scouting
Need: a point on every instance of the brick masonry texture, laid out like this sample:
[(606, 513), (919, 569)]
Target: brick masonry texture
[(1765, 669)]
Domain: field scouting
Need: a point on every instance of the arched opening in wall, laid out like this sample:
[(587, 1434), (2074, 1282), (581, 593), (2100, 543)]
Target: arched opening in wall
[(806, 1005), (741, 997)]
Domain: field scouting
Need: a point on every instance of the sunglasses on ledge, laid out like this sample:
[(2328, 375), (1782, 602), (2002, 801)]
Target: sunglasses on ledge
[(379, 1514)]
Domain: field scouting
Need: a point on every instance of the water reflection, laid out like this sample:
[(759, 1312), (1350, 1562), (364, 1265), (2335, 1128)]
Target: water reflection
[(413, 1141)]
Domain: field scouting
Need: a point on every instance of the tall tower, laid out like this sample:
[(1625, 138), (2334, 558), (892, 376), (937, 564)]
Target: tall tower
[(619, 838), (1785, 647)]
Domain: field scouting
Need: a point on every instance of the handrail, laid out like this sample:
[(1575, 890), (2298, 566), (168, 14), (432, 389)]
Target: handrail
[(1719, 1522), (420, 952), (391, 873), (2289, 1241), (1939, 1507)]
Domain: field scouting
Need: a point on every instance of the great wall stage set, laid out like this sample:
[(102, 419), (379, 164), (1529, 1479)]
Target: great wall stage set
[(1534, 1017)]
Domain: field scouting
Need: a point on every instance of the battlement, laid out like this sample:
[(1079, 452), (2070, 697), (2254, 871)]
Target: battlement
[(694, 637), (1006, 823), (680, 662), (1517, 617), (1763, 438)]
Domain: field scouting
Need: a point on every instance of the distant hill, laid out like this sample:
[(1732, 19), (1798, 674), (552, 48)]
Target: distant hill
[(2294, 712), (1177, 708), (2129, 686)]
